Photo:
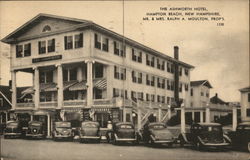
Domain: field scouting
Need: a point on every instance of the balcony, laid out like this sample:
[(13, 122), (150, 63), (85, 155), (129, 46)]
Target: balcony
[(102, 102), (25, 105), (51, 104), (74, 103)]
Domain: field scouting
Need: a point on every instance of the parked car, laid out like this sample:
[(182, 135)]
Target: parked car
[(62, 130), (89, 131), (36, 129), (124, 132), (206, 135), (241, 137), (157, 133), (13, 129)]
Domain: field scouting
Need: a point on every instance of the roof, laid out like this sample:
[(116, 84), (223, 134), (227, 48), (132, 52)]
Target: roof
[(246, 89), (201, 82), (216, 100), (81, 24)]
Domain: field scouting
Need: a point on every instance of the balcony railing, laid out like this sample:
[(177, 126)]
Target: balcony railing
[(27, 104), (52, 104), (75, 103), (102, 102)]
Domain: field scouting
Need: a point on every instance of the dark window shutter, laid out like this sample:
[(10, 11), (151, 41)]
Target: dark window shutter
[(65, 42), (81, 40), (39, 47)]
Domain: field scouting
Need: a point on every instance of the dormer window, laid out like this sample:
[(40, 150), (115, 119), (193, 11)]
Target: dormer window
[(46, 28)]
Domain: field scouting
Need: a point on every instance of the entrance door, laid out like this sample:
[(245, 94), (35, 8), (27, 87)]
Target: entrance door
[(103, 119)]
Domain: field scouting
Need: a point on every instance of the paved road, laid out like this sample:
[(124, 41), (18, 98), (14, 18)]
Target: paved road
[(13, 149)]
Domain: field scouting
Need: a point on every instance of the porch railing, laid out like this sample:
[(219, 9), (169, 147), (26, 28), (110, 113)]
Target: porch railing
[(52, 104), (27, 104), (70, 103)]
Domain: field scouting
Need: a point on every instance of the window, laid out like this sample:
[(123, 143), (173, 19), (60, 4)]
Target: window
[(248, 97), (180, 87), (172, 85), (133, 77), (163, 84), (168, 67), (168, 100), (118, 50), (42, 47), (152, 81), (46, 28), (248, 112), (120, 93), (68, 42), (119, 73), (70, 74), (97, 41), (136, 56), (140, 95), (27, 50), (98, 70), (202, 94), (147, 80), (207, 94), (79, 40), (186, 71), (98, 93), (19, 51), (147, 97), (140, 78), (152, 97), (115, 92), (168, 85), (160, 64), (163, 99), (46, 96), (158, 98), (158, 83), (191, 92), (133, 95), (105, 44), (46, 76), (186, 87), (1, 102), (172, 68), (150, 60), (180, 71), (51, 45)]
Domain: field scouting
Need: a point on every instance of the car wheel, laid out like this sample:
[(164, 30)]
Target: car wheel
[(248, 146)]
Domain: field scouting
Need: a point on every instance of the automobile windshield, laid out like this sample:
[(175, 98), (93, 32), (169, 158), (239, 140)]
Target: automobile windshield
[(13, 124), (63, 124), (157, 126), (90, 125), (212, 128), (125, 126)]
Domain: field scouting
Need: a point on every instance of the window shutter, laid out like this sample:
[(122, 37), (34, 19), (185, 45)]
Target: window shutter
[(81, 40), (65, 42), (39, 47)]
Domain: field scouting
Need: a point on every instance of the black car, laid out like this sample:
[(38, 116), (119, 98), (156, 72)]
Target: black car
[(124, 132), (13, 130), (206, 135), (241, 137), (62, 130), (157, 133), (36, 129)]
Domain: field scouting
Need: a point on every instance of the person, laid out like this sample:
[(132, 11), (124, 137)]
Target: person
[(109, 131)]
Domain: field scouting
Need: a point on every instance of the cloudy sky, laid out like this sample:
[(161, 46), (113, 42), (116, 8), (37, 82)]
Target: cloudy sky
[(220, 54)]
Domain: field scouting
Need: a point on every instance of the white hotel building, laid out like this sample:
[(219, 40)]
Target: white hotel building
[(81, 69)]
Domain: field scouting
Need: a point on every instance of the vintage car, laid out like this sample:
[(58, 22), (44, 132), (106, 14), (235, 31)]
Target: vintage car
[(13, 129), (62, 130), (123, 132), (241, 137), (157, 133), (206, 135), (89, 131), (36, 129)]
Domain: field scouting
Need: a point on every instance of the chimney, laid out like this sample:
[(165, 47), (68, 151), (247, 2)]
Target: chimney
[(176, 52), (176, 76)]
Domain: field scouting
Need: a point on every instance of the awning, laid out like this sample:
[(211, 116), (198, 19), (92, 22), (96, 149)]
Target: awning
[(46, 87), (29, 90), (78, 86), (68, 84), (100, 84)]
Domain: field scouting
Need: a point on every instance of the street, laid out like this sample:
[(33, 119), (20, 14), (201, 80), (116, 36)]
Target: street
[(12, 149)]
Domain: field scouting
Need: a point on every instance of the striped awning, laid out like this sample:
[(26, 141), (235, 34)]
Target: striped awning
[(48, 87), (78, 86), (29, 90), (101, 109), (68, 84), (100, 84)]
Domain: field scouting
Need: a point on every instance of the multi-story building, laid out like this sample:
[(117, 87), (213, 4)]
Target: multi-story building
[(81, 69), (245, 104)]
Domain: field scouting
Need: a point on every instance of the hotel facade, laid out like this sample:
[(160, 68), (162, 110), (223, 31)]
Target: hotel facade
[(84, 71)]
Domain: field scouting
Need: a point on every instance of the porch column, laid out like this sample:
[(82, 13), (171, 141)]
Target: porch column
[(48, 126), (201, 116), (234, 123), (6, 116), (89, 83), (139, 119), (60, 87), (192, 115), (13, 87), (31, 117), (37, 88), (169, 112), (160, 114), (183, 121), (207, 114), (124, 114)]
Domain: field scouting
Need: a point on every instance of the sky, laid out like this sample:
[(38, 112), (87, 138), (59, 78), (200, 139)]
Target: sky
[(220, 54)]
